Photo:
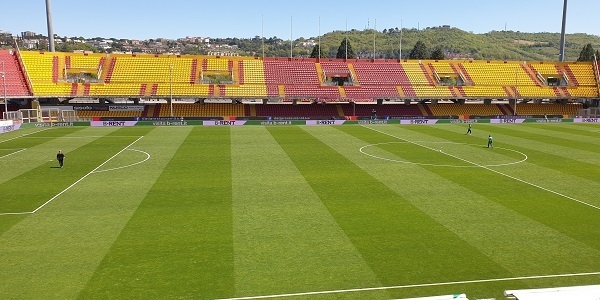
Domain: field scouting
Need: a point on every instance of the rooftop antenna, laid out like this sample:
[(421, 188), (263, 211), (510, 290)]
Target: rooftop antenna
[(319, 38), (374, 34), (400, 55), (50, 30), (346, 39)]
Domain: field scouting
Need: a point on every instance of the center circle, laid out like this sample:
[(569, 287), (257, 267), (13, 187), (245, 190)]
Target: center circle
[(448, 149)]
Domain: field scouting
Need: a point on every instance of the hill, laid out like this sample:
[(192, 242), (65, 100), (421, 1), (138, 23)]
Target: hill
[(456, 43)]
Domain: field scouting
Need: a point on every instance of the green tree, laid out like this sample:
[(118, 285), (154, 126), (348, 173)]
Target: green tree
[(419, 51), (587, 53), (341, 53), (315, 52), (437, 54)]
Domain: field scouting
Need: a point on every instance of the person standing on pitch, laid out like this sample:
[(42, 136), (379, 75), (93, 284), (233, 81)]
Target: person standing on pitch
[(60, 157), (490, 141), (469, 130)]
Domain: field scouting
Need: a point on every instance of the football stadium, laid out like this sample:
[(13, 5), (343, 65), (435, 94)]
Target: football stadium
[(250, 177)]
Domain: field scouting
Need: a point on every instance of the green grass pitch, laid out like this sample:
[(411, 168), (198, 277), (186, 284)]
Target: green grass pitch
[(298, 212)]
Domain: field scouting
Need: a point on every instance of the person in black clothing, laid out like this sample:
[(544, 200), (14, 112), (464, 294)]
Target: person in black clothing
[(60, 157), (373, 114)]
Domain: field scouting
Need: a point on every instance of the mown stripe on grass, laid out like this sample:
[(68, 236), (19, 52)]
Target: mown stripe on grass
[(563, 215), (582, 148), (285, 240), (38, 151), (46, 180), (569, 129), (401, 244), (515, 241), (54, 251), (561, 168), (178, 243)]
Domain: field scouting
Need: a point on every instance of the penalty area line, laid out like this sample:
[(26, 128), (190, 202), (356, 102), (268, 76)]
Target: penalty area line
[(491, 170), (382, 288), (86, 175), (24, 135), (73, 184), (7, 155)]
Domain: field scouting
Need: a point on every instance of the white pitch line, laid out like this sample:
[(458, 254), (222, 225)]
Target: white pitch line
[(127, 166), (17, 213), (412, 286), (78, 137), (7, 155), (86, 175), (16, 137), (489, 169)]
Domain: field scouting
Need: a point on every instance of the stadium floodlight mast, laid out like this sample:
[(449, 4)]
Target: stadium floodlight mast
[(50, 29), (4, 88), (561, 55)]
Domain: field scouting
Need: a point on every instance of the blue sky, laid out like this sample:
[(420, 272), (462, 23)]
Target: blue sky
[(139, 19)]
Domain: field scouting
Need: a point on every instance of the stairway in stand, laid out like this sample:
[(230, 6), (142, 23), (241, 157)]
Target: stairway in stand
[(531, 74), (194, 72), (571, 76), (428, 74)]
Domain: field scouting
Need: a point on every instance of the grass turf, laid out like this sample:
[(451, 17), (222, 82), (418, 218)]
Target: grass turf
[(224, 212)]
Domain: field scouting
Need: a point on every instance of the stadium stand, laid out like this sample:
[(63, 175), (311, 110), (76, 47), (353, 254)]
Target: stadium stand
[(16, 83), (380, 73), (202, 110), (287, 80), (300, 110), (548, 109), (365, 110), (465, 109), (290, 72), (497, 73)]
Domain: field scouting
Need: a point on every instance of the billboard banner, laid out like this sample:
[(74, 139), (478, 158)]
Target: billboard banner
[(6, 123), (10, 128), (275, 122), (91, 107), (126, 108), (113, 123), (223, 123), (463, 121), (325, 122), (419, 122), (168, 123), (586, 120), (61, 124), (507, 121)]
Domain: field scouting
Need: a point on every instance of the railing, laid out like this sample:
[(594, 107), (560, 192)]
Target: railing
[(25, 73), (566, 78), (541, 78), (463, 78)]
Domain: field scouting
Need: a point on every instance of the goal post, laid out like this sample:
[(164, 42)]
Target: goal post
[(68, 115), (30, 115)]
